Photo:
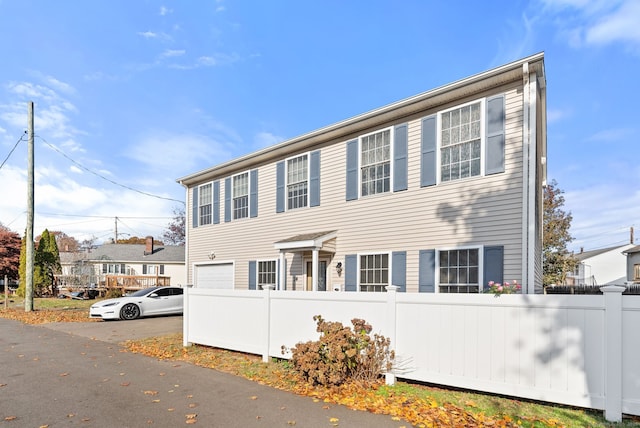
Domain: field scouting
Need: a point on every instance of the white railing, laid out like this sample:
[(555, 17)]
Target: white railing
[(558, 348)]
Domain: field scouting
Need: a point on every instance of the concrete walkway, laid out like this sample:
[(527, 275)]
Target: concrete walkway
[(75, 374)]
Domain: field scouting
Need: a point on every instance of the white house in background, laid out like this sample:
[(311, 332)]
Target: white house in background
[(605, 266), (437, 193)]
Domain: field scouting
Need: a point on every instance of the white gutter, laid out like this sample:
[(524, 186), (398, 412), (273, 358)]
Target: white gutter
[(525, 178)]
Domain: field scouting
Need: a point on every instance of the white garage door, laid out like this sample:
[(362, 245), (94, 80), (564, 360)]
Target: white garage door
[(216, 276)]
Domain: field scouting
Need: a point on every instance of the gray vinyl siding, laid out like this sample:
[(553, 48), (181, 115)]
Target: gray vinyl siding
[(477, 211)]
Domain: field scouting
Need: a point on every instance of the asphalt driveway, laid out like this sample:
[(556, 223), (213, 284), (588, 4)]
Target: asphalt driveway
[(76, 374)]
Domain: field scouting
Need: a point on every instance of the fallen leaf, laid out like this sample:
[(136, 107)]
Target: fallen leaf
[(162, 374), (155, 401), (190, 396), (334, 420), (193, 405), (282, 408), (191, 415), (86, 419), (191, 421), (64, 374), (170, 409), (44, 426), (2, 384), (10, 418), (291, 423), (254, 397), (125, 384), (151, 393)]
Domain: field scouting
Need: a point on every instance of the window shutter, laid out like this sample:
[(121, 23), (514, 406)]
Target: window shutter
[(104, 268), (253, 193), (428, 165), (399, 269), (161, 269), (227, 200), (216, 202), (144, 269), (280, 187), (351, 272), (427, 271), (252, 275), (194, 219), (494, 159), (493, 265), (352, 170), (314, 179), (122, 269), (400, 158)]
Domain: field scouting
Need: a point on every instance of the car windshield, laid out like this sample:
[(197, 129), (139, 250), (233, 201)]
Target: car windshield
[(144, 292)]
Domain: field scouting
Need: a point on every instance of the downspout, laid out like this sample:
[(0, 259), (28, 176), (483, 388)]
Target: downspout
[(532, 182), (525, 178)]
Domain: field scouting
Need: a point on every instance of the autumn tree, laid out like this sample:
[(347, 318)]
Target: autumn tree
[(65, 242), (138, 241), (175, 233), (10, 244), (557, 261)]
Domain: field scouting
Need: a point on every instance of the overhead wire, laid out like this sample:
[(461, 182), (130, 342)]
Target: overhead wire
[(11, 152)]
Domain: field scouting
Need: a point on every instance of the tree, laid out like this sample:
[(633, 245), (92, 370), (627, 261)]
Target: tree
[(10, 245), (65, 242), (46, 264), (137, 241), (557, 261), (175, 233)]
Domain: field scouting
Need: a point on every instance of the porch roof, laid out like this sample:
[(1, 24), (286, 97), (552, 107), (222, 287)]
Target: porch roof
[(306, 240)]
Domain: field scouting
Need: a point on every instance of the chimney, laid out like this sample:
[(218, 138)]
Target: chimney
[(148, 245)]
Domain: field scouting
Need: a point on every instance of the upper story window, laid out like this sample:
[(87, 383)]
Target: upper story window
[(297, 182), (374, 272), (375, 163), (205, 208), (240, 196), (459, 271), (461, 142), (266, 273)]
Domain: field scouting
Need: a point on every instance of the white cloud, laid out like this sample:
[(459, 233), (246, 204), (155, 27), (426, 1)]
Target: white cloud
[(611, 135), (266, 139), (165, 11), (172, 53), (622, 24)]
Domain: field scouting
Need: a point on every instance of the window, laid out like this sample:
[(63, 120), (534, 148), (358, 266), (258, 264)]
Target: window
[(297, 182), (374, 272), (205, 204), (461, 142), (459, 271), (240, 196), (375, 163), (266, 273), (116, 269), (636, 272)]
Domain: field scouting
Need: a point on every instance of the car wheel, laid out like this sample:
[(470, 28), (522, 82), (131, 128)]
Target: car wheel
[(129, 312)]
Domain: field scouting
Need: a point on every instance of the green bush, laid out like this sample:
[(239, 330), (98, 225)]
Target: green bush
[(342, 354)]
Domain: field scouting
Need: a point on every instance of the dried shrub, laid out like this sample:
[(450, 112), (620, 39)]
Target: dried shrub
[(113, 293), (342, 354)]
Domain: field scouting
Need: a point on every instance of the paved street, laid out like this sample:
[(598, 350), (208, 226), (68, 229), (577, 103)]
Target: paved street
[(75, 374)]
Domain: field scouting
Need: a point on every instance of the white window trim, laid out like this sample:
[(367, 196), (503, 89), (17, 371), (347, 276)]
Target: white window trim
[(483, 118), (248, 172), (391, 158), (286, 181), (371, 253), (480, 249), (258, 272), (200, 205), (220, 262)]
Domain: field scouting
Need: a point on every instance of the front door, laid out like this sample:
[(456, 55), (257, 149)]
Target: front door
[(322, 276)]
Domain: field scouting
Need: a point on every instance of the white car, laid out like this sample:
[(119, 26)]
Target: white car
[(142, 303)]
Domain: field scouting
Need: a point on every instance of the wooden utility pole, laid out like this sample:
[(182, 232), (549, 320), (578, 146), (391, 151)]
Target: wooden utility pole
[(28, 297)]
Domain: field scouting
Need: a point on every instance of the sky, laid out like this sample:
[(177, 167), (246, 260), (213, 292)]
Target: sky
[(131, 95)]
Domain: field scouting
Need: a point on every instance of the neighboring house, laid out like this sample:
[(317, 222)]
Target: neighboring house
[(136, 264), (605, 266), (633, 264), (440, 192)]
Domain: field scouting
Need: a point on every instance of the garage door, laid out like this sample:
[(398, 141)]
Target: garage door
[(217, 276)]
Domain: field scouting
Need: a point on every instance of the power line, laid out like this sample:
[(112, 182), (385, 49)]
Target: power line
[(14, 147), (105, 178)]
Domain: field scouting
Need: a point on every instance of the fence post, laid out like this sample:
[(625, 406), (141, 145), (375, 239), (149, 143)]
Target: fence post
[(185, 315), (267, 321), (392, 293), (613, 352)]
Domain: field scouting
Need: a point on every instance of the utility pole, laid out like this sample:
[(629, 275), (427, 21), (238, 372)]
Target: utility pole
[(28, 297)]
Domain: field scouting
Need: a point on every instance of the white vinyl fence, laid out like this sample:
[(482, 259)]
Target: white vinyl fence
[(575, 350)]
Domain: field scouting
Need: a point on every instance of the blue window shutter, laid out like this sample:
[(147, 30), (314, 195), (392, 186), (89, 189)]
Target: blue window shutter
[(253, 275), (352, 170), (314, 179), (400, 158), (194, 219), (351, 272), (399, 269), (494, 156), (493, 265), (253, 193), (216, 202), (144, 269), (427, 271), (227, 199), (280, 187), (428, 165)]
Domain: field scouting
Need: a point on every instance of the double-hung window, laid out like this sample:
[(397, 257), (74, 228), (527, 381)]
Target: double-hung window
[(374, 272), (267, 273), (461, 142), (375, 162), (240, 196), (205, 207), (459, 270), (297, 182), (636, 272)]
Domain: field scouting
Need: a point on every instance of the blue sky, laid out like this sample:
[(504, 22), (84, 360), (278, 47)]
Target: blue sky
[(141, 93)]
